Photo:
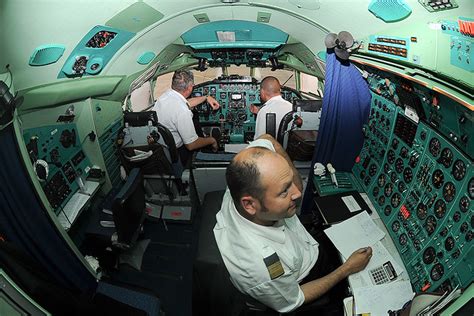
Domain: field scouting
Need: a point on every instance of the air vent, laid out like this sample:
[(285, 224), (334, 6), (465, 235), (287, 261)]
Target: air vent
[(46, 54), (145, 58), (390, 11), (263, 17), (201, 18)]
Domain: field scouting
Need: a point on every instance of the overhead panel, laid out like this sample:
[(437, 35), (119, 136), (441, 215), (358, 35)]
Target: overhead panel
[(390, 11), (135, 18)]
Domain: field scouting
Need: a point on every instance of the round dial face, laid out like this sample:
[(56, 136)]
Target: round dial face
[(449, 243), (381, 180), (437, 272), (403, 239), (401, 186), (399, 165), (391, 156), (437, 179), (395, 226), (413, 161), (407, 175), (381, 200), (449, 191), (386, 167), (430, 225), (459, 170), (395, 143), (395, 200), (464, 204), (435, 147), (422, 211), (388, 189), (446, 157), (372, 170), (456, 216), (387, 210), (440, 208), (375, 191), (393, 177), (404, 152)]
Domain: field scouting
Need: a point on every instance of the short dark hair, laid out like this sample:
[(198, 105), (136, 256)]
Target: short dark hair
[(243, 177), (181, 80)]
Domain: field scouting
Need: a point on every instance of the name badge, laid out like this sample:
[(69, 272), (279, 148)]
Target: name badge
[(273, 263)]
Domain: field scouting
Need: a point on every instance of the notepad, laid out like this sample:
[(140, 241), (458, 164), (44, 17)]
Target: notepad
[(339, 207)]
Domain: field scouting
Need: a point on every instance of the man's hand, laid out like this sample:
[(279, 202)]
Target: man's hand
[(254, 109), (214, 145), (213, 102), (358, 260)]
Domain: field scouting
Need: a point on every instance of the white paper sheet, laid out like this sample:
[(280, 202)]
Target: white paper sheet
[(356, 232), (376, 300)]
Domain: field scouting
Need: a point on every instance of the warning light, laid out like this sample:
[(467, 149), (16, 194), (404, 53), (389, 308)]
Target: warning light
[(357, 159), (405, 212)]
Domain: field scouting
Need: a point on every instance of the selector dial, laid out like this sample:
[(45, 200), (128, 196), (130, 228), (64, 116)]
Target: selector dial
[(459, 170), (437, 179), (434, 146), (449, 191)]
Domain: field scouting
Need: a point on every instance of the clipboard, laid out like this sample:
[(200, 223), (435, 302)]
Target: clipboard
[(341, 206)]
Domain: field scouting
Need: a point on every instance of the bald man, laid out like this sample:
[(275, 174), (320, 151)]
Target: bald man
[(267, 251), (270, 95)]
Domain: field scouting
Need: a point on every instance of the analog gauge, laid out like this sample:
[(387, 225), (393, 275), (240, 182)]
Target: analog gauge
[(440, 208), (381, 180), (395, 226), (407, 175), (411, 234), (459, 170), (399, 165), (422, 211), (375, 191), (393, 177), (470, 188), (242, 116), (388, 210), (388, 189), (464, 227), (469, 236), (401, 186), (437, 179), (404, 152), (403, 239), (423, 135), (464, 204), (395, 200), (429, 255), (391, 156), (386, 167), (446, 157), (437, 272), (456, 254), (395, 143), (449, 191), (456, 216), (381, 200), (413, 161), (417, 244), (443, 232), (435, 146), (449, 243), (367, 181), (372, 170), (430, 225), (362, 174)]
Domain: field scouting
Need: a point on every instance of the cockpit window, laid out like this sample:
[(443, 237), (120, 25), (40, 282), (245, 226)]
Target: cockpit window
[(310, 85)]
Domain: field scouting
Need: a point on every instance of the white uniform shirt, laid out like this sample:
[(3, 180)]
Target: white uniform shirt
[(244, 245), (276, 105), (174, 114)]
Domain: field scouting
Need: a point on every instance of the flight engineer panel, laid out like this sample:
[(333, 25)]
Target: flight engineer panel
[(420, 178)]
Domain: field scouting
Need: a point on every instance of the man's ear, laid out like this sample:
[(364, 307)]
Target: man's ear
[(249, 204)]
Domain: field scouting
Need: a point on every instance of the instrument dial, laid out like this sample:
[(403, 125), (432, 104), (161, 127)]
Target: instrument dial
[(464, 227), (413, 161), (422, 211), (443, 232), (388, 210), (407, 175), (393, 177), (391, 156), (395, 143), (381, 180), (437, 272), (434, 146), (388, 189), (469, 236), (456, 254), (456, 216), (430, 225), (395, 226), (446, 157), (395, 200), (372, 170), (429, 255), (381, 200), (375, 191), (459, 170), (386, 167), (449, 191), (437, 179), (440, 208), (401, 186), (417, 244), (399, 165), (403, 239), (449, 243), (404, 152), (464, 204)]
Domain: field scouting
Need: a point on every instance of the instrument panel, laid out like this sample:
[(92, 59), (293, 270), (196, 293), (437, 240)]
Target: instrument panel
[(235, 94), (58, 159), (422, 186)]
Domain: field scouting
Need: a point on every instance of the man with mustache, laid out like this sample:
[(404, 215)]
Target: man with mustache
[(268, 253)]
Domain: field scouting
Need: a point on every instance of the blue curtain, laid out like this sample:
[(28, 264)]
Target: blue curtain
[(346, 107), (24, 222)]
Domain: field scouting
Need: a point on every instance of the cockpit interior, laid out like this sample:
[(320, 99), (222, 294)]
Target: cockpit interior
[(96, 208)]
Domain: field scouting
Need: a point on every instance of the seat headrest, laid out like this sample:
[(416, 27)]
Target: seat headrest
[(307, 105)]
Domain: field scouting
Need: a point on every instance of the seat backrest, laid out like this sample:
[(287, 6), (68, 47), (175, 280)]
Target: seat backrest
[(282, 129), (128, 209), (270, 124)]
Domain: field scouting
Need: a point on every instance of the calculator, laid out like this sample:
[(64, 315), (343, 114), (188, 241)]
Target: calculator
[(383, 274)]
